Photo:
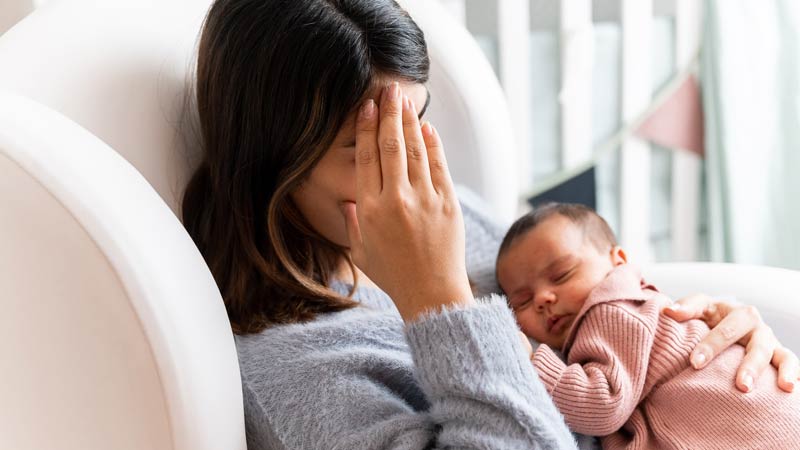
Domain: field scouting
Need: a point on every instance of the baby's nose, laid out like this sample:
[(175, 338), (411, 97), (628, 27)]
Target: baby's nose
[(543, 298)]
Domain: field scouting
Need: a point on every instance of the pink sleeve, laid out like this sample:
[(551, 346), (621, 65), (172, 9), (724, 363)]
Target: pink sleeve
[(601, 387)]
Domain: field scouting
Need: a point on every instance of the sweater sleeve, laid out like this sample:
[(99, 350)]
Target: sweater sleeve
[(600, 388), (482, 387), (480, 391)]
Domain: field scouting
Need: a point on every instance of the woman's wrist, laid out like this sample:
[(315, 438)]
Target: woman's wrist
[(416, 305)]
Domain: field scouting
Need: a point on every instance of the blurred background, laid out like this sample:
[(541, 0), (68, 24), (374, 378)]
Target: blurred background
[(678, 120)]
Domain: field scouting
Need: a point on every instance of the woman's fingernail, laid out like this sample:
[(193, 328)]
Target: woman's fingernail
[(368, 109), (406, 103), (790, 383), (427, 130), (699, 359), (675, 306), (394, 88), (747, 382)]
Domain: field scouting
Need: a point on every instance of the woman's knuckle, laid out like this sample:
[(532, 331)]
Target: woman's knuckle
[(438, 164), (366, 127), (409, 121), (391, 145), (365, 156), (752, 313), (415, 152), (451, 209), (392, 108), (399, 201), (728, 332)]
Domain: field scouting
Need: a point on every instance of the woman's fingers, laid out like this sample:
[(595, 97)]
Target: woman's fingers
[(526, 344), (354, 234), (788, 368), (759, 350), (698, 306), (728, 327), (419, 173), (440, 175), (731, 324), (368, 161), (391, 143)]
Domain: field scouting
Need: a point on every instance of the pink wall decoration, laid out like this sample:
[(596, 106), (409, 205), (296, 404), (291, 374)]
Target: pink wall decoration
[(678, 122)]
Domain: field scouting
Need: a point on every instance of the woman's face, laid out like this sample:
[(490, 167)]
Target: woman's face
[(332, 181)]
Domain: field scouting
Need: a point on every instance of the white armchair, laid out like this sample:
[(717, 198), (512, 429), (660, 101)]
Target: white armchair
[(113, 333), (774, 291)]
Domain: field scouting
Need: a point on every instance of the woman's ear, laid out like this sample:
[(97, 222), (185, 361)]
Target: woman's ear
[(618, 256)]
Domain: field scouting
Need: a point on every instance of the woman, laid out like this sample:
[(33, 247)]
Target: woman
[(309, 108)]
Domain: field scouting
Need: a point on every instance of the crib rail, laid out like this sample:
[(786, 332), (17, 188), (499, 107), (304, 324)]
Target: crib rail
[(511, 22)]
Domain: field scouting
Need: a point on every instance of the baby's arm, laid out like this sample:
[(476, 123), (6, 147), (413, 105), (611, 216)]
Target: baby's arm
[(601, 387)]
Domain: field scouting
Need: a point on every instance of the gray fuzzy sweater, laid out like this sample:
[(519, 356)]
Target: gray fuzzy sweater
[(362, 379)]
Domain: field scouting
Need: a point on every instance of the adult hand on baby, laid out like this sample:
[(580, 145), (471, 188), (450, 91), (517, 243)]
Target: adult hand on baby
[(737, 323), (526, 345), (406, 230)]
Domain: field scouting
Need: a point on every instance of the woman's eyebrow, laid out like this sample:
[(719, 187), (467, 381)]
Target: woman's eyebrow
[(425, 107)]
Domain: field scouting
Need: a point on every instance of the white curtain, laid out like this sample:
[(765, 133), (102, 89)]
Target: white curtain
[(751, 93)]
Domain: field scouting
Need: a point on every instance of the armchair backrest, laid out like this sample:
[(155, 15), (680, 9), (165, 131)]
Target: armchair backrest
[(770, 289), (117, 68), (114, 331), (112, 318)]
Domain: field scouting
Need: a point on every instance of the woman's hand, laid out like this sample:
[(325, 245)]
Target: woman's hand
[(526, 345), (736, 323), (406, 230)]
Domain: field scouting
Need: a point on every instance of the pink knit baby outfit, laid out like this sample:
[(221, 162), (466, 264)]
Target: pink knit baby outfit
[(628, 379)]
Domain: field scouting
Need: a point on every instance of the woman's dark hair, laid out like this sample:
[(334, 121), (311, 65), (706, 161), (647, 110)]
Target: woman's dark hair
[(594, 227), (275, 81)]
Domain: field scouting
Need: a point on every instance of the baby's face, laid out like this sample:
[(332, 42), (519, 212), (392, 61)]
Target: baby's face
[(548, 273)]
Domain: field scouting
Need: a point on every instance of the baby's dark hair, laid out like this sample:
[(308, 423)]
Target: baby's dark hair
[(594, 227)]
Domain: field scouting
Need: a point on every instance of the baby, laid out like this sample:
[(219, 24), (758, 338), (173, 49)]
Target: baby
[(627, 377)]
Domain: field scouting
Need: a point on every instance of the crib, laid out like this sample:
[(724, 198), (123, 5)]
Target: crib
[(576, 71), (114, 334)]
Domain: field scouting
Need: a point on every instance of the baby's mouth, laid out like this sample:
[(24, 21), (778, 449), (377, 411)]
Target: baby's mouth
[(556, 323)]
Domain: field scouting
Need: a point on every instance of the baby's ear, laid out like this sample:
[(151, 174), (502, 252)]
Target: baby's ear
[(618, 256)]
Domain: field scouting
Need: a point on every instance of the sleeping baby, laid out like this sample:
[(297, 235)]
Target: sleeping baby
[(627, 376)]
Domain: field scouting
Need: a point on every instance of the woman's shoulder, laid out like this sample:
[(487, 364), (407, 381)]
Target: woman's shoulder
[(333, 366), (331, 329), (484, 232), (331, 340)]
